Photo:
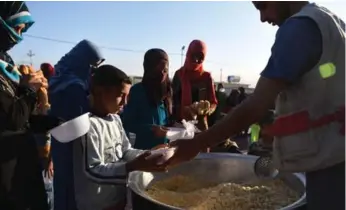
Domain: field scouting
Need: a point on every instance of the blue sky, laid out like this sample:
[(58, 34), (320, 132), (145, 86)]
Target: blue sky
[(238, 43)]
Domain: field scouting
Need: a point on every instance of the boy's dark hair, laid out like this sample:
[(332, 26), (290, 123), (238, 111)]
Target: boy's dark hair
[(109, 76)]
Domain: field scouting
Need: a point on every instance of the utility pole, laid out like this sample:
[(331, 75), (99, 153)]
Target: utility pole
[(182, 54), (220, 75), (31, 54)]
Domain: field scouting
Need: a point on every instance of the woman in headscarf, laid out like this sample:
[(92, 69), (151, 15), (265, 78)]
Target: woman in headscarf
[(232, 100), (21, 181), (191, 83), (68, 95), (149, 108)]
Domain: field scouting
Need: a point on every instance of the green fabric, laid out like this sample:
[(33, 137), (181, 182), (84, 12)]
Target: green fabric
[(255, 132)]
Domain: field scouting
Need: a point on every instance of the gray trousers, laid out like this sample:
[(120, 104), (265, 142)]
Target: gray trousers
[(325, 189)]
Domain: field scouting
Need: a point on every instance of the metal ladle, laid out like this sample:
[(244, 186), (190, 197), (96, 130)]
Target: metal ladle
[(264, 168)]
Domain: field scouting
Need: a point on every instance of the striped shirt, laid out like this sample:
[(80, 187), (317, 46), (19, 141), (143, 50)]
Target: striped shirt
[(99, 164)]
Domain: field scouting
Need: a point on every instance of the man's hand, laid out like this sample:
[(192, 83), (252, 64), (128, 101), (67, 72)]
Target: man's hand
[(143, 163), (186, 151), (159, 131)]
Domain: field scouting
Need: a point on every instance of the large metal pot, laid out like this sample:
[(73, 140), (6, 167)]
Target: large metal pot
[(219, 167)]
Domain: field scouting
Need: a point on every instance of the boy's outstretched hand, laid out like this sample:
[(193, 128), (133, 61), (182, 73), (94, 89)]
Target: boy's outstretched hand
[(142, 163)]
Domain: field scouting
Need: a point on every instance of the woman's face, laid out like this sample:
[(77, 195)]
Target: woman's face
[(161, 70), (196, 59), (19, 28)]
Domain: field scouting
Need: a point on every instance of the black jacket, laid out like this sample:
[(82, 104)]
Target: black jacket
[(21, 181)]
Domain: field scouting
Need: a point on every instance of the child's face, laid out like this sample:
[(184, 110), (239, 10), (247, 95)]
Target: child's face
[(114, 98)]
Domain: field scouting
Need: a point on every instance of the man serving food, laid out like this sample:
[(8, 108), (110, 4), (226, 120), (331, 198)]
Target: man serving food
[(306, 76)]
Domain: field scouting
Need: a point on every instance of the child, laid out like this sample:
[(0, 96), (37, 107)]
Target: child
[(260, 142), (104, 157)]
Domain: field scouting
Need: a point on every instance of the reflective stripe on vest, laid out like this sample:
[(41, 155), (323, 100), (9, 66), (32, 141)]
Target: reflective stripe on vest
[(300, 122)]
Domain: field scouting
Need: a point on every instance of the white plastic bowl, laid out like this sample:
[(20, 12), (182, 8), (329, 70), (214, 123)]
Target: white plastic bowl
[(179, 133), (166, 154), (72, 129)]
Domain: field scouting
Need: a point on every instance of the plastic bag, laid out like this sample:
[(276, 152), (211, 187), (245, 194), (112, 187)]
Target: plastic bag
[(48, 183), (187, 132)]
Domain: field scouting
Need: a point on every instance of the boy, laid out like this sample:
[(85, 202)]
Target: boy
[(104, 157)]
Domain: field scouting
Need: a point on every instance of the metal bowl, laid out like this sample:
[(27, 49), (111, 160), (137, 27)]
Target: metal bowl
[(217, 167)]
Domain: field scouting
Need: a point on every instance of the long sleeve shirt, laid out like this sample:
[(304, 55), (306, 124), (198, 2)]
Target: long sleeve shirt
[(99, 164), (139, 116)]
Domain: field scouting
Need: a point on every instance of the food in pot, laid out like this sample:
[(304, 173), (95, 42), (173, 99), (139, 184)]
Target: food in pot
[(193, 194)]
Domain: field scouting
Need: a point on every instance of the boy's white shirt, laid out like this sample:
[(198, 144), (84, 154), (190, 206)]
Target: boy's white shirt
[(99, 163)]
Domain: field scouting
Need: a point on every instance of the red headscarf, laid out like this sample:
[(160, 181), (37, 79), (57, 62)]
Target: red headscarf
[(48, 70), (192, 72)]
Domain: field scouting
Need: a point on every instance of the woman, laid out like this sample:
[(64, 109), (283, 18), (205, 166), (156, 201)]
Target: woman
[(150, 104), (191, 83), (21, 181), (68, 95), (221, 97), (232, 100)]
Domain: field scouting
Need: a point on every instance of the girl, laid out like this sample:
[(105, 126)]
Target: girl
[(149, 109)]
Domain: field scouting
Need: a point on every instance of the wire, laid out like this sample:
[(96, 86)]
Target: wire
[(103, 47), (107, 48)]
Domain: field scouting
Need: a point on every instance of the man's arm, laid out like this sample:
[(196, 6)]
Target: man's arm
[(297, 49)]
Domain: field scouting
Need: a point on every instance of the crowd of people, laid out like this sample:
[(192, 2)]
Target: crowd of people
[(90, 172), (35, 101)]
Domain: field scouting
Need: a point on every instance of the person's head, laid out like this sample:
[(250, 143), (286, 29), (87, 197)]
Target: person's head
[(109, 90), (156, 65), (80, 60), (195, 55), (47, 69), (241, 90), (268, 119), (233, 97), (15, 20), (276, 12), (220, 87), (156, 78)]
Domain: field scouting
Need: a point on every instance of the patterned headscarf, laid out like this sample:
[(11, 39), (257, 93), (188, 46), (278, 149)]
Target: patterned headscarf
[(12, 14)]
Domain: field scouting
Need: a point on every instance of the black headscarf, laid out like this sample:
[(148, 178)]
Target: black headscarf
[(157, 89)]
